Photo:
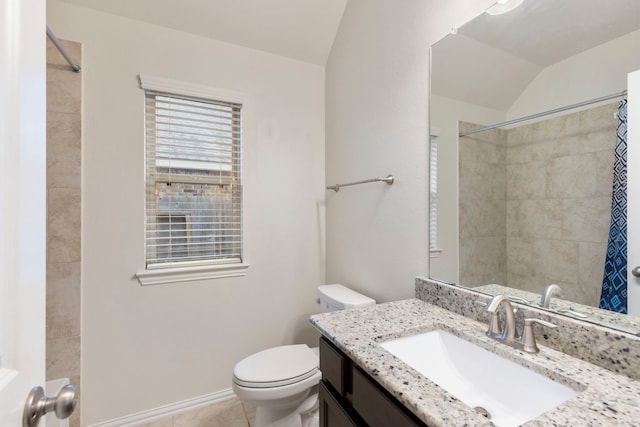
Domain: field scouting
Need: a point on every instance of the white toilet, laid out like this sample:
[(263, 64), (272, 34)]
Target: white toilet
[(281, 382)]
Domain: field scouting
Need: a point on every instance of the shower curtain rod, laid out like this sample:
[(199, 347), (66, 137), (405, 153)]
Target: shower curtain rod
[(546, 113), (75, 68)]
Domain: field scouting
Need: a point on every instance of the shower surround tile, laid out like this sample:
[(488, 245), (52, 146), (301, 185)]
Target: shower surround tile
[(64, 91), (63, 358), (557, 180), (63, 300), (63, 149), (64, 152)]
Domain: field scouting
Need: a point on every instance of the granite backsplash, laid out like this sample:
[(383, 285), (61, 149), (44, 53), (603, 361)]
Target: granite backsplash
[(610, 349)]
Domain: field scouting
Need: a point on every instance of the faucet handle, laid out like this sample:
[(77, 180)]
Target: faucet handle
[(495, 325), (528, 338)]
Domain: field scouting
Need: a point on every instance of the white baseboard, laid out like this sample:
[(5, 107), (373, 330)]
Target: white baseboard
[(168, 410)]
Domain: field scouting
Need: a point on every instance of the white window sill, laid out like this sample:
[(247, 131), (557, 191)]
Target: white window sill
[(186, 274)]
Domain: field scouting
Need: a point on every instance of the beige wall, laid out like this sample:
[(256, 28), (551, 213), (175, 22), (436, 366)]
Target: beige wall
[(145, 347), (63, 216)]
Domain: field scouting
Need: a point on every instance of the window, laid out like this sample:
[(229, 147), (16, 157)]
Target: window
[(433, 193), (173, 236), (193, 201)]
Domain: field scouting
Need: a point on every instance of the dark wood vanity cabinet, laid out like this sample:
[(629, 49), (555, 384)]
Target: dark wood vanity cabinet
[(349, 397)]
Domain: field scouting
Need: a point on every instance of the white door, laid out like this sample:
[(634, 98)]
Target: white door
[(22, 203), (633, 191)]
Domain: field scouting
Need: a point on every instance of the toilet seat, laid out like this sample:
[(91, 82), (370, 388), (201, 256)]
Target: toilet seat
[(276, 367)]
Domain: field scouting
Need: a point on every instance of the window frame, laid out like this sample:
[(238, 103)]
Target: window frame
[(183, 271)]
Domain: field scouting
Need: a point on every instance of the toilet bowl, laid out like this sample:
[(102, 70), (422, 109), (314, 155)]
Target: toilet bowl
[(281, 382)]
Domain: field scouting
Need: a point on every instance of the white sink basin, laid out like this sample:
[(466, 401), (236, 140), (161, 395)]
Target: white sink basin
[(510, 393)]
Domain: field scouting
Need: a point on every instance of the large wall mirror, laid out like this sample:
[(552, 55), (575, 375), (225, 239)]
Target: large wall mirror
[(532, 197)]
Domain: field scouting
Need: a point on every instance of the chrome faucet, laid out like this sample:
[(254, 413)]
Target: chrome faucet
[(547, 293), (508, 332)]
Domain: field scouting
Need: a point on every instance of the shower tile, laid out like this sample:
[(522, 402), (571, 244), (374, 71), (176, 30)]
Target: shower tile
[(63, 358), (566, 125), (595, 119), (557, 260), (599, 139), (553, 148), (481, 181), (591, 258), (519, 145), (63, 300), (598, 128), (541, 219), (63, 217), (604, 172), (482, 217), (486, 147), (525, 181), (63, 150), (63, 85), (586, 219), (63, 225), (226, 414), (482, 256), (513, 218), (520, 262), (578, 293), (571, 176)]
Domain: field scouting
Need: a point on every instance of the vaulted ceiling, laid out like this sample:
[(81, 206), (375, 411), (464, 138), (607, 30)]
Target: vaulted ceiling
[(492, 59), (299, 29)]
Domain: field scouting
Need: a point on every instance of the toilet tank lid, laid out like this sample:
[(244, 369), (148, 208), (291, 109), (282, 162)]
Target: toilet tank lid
[(343, 297)]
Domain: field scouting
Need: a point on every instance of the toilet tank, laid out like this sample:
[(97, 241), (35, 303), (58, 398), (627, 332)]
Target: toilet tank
[(338, 297)]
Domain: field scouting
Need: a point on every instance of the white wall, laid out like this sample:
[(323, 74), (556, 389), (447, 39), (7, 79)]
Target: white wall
[(143, 347), (591, 74), (377, 123)]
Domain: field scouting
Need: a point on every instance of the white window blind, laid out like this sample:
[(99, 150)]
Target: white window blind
[(193, 181), (433, 194)]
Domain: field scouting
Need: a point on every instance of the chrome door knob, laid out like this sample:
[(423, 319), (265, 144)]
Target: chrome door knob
[(37, 405), (636, 271)]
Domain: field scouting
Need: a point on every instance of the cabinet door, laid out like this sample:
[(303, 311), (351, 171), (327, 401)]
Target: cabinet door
[(376, 407), (335, 367), (332, 414)]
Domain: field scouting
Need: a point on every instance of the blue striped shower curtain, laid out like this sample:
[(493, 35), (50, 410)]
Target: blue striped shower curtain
[(614, 283)]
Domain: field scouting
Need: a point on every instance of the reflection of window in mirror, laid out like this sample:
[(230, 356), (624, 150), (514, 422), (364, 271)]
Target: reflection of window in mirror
[(434, 250)]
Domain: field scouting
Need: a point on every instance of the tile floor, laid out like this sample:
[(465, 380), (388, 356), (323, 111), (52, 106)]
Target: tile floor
[(230, 413)]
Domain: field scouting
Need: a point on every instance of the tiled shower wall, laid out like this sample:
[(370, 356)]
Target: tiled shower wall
[(63, 217), (482, 204), (558, 181)]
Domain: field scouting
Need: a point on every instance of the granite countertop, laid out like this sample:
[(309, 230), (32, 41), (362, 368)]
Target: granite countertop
[(604, 398)]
